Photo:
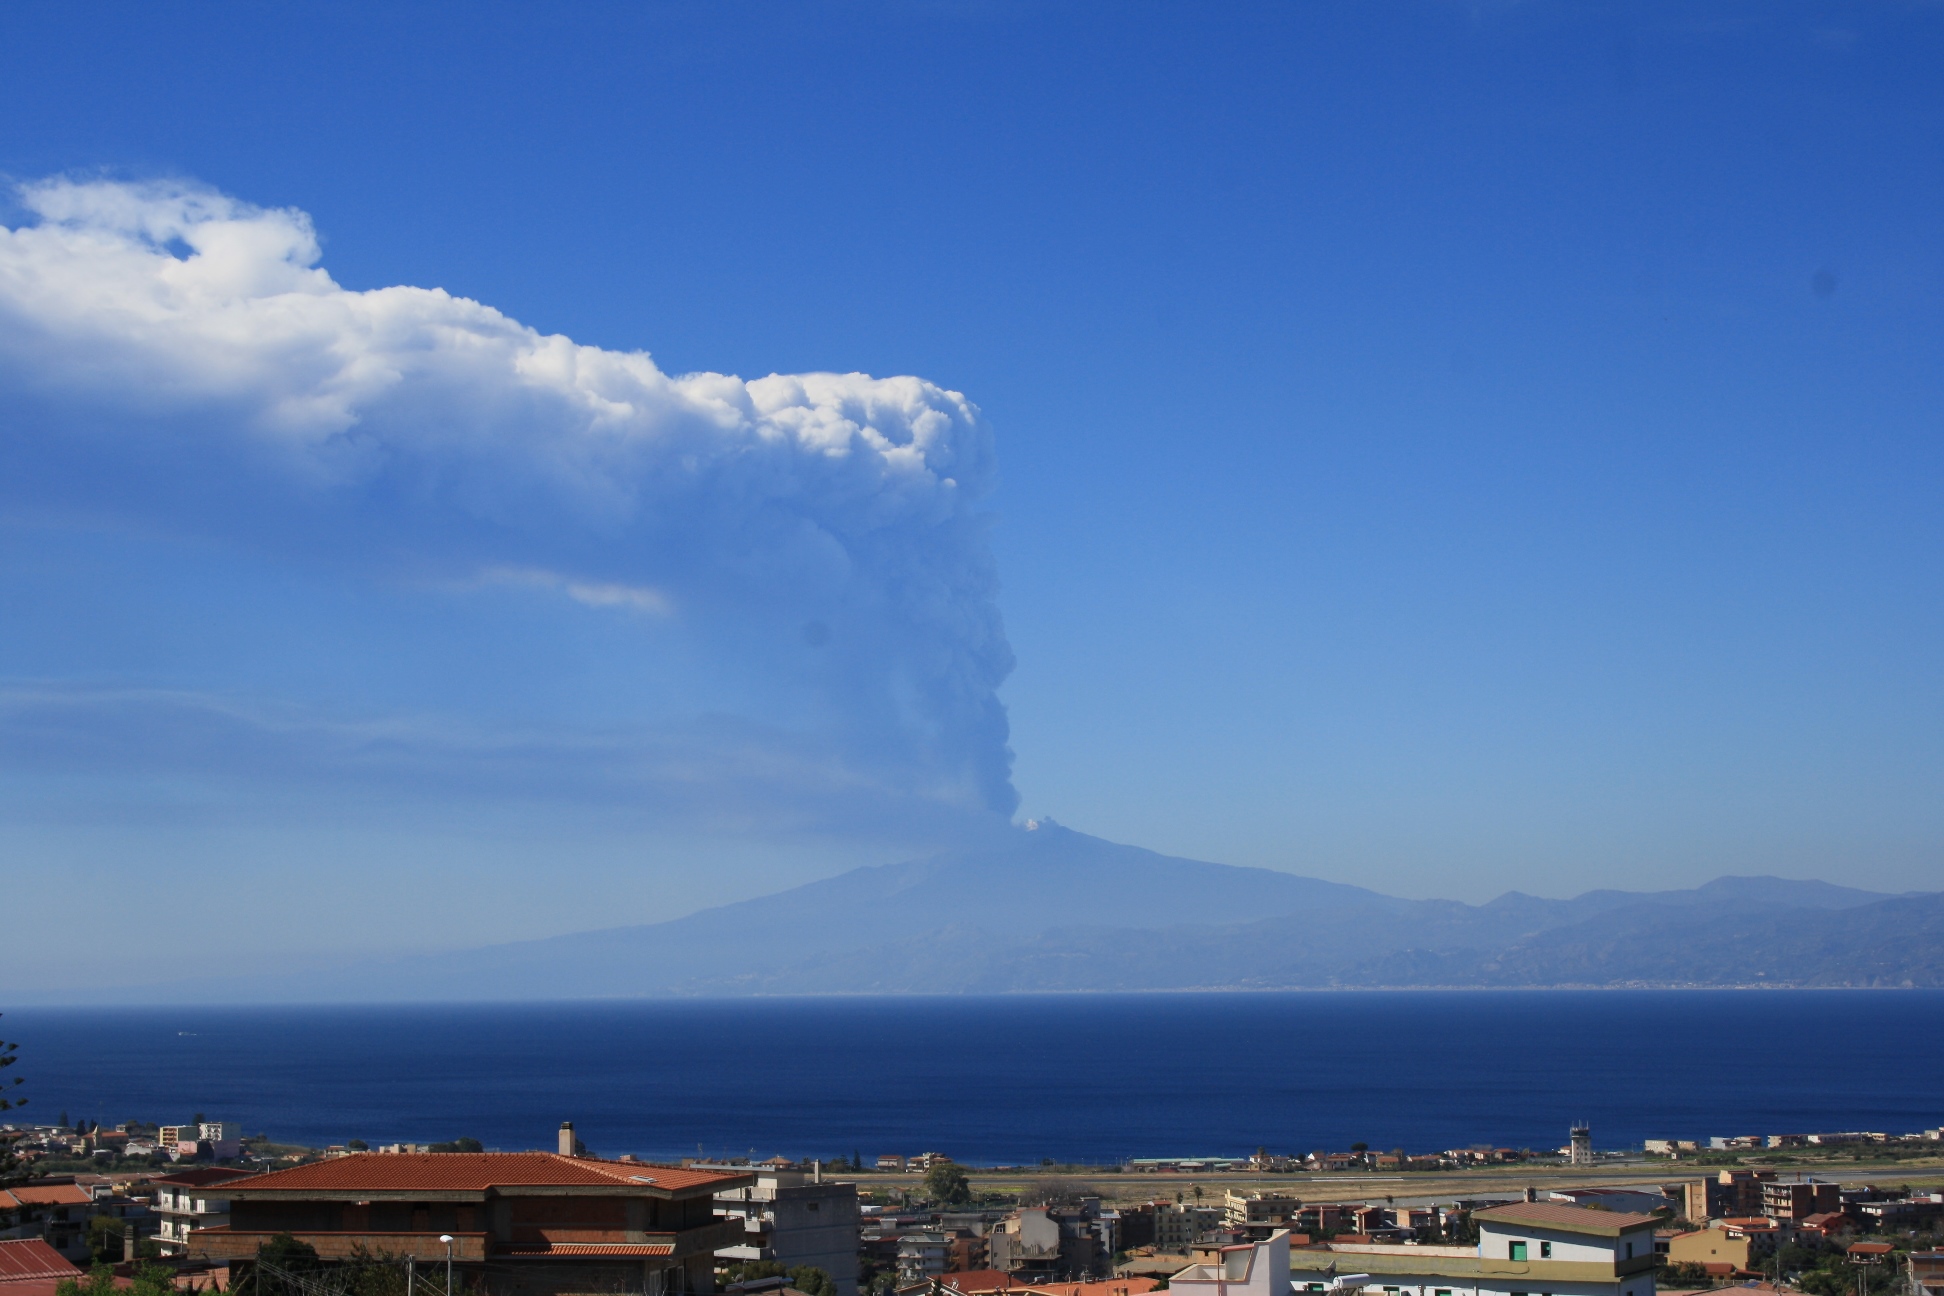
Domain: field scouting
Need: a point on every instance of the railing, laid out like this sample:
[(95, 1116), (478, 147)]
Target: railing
[(230, 1244), (227, 1243)]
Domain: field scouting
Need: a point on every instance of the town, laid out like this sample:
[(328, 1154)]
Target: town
[(198, 1206)]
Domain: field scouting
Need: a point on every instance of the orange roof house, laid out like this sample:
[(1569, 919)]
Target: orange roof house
[(30, 1260), (521, 1223), (62, 1194)]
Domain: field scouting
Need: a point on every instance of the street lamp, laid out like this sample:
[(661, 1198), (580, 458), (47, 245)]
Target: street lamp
[(447, 1239)]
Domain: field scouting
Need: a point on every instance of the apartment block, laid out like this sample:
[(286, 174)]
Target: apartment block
[(1523, 1249), (794, 1218)]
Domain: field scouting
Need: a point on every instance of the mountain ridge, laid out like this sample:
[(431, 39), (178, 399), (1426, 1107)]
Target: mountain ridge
[(1051, 909)]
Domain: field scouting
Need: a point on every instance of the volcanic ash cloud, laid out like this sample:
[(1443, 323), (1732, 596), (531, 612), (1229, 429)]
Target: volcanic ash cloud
[(179, 360)]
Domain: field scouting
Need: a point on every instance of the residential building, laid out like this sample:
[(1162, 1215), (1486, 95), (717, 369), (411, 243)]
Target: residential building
[(794, 1218), (186, 1201), (1828, 1224), (1795, 1201), (1523, 1249), (1324, 1217), (1247, 1269), (223, 1139), (1736, 1193), (968, 1253), (56, 1212), (894, 1164), (1049, 1243), (1926, 1273), (1137, 1226), (1634, 1201), (30, 1267), (1177, 1225), (1711, 1248), (521, 1223), (922, 1255), (989, 1281), (1258, 1215), (1916, 1211)]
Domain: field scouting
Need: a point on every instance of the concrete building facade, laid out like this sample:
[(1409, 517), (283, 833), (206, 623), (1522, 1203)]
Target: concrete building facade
[(1523, 1249), (516, 1223), (189, 1200), (794, 1218)]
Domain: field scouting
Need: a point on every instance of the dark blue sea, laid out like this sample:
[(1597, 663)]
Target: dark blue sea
[(1077, 1078)]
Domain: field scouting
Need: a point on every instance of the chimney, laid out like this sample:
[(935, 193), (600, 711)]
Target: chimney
[(566, 1138), (128, 1244), (816, 1172), (1531, 1194)]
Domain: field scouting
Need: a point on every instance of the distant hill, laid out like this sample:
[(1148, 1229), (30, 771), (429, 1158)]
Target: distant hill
[(1050, 909)]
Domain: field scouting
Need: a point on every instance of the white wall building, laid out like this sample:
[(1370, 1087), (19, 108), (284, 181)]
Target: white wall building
[(189, 1200), (795, 1219), (1523, 1249), (1252, 1269)]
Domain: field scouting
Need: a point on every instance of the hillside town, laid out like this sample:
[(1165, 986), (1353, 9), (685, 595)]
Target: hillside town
[(199, 1206)]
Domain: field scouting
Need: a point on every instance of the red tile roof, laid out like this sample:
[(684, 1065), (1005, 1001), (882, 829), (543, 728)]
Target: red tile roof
[(32, 1260), (1117, 1287), (44, 1195), (589, 1249), (479, 1172), (978, 1280), (201, 1177)]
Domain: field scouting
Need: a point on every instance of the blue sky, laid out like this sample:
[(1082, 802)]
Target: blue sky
[(1447, 448)]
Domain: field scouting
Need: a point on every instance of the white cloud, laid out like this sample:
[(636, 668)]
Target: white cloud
[(179, 359), (602, 594)]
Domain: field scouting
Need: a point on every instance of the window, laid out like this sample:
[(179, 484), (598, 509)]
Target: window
[(1629, 1250), (1517, 1251), (1545, 1250)]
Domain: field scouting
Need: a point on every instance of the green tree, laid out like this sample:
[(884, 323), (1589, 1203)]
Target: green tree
[(946, 1183), (470, 1145), (287, 1254), (357, 1145), (812, 1281), (12, 1170), (1681, 1274), (150, 1280), (750, 1270)]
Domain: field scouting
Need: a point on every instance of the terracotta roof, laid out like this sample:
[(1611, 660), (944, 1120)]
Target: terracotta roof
[(1117, 1287), (479, 1172), (979, 1280), (32, 1260), (44, 1195), (1573, 1219), (589, 1249), (1870, 1248), (201, 1177)]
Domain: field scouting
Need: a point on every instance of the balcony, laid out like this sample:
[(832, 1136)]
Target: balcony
[(229, 1244), (225, 1243)]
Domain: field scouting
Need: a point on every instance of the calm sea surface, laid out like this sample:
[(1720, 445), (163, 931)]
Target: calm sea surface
[(1002, 1080)]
